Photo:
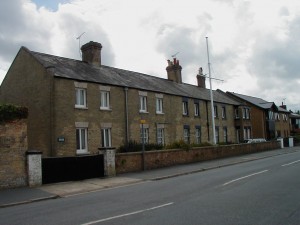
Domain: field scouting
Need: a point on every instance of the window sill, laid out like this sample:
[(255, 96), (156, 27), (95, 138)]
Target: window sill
[(82, 152), (144, 112), (160, 113), (80, 107), (105, 109)]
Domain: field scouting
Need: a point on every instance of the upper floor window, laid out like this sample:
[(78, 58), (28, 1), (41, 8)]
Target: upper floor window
[(271, 115), (215, 111), (80, 95), (159, 105), (143, 101), (104, 97), (104, 102), (80, 98), (197, 109), (246, 113), (185, 110), (223, 112), (237, 115)]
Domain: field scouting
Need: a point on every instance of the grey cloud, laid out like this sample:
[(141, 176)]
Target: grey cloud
[(37, 32)]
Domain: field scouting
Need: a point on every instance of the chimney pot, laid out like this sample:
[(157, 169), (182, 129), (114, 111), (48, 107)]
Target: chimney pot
[(174, 71)]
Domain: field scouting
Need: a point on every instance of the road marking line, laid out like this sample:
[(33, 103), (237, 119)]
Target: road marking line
[(128, 214), (250, 175), (290, 163)]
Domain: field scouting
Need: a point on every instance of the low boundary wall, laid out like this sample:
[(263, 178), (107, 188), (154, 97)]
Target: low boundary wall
[(132, 162)]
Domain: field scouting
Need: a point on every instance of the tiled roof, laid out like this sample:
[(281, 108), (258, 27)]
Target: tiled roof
[(82, 71), (254, 100), (258, 102)]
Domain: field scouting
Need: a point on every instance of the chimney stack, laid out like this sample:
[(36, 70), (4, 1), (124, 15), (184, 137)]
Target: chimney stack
[(201, 78), (91, 53), (174, 71)]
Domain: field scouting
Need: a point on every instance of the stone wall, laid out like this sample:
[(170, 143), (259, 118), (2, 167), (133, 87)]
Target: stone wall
[(132, 162), (13, 145)]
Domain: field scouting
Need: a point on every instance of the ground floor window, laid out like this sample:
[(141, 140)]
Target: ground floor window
[(160, 136), (81, 140), (144, 135), (225, 135), (217, 134), (106, 137), (186, 135), (247, 133), (198, 135)]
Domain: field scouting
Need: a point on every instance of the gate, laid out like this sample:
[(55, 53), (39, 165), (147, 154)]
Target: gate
[(60, 169)]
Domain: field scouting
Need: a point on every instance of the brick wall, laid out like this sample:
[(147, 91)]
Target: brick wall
[(13, 145), (131, 162)]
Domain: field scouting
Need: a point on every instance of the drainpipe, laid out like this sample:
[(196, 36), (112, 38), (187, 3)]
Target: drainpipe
[(207, 123), (126, 116)]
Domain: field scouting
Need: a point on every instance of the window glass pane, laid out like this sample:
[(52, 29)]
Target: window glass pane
[(77, 139), (83, 139), (143, 103)]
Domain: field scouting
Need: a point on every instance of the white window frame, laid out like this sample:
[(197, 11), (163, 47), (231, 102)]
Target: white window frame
[(223, 112), (106, 137), (197, 109), (237, 115), (81, 140), (105, 100), (186, 135), (225, 134), (185, 110), (198, 135), (215, 111), (159, 105), (160, 136), (143, 103), (217, 135), (146, 134), (80, 95)]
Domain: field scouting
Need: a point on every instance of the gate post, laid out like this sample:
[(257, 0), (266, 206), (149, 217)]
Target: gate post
[(34, 168), (109, 161)]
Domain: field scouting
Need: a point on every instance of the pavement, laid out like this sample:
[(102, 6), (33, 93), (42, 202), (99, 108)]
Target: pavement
[(25, 195)]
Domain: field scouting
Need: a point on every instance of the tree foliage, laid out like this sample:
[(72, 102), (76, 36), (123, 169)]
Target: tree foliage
[(9, 112)]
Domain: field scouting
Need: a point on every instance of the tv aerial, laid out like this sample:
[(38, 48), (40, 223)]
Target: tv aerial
[(78, 38)]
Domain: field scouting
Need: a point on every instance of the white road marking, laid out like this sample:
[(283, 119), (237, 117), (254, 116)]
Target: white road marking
[(250, 175), (128, 214), (290, 163)]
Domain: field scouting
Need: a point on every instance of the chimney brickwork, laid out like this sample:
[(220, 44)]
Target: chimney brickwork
[(174, 71), (201, 78), (91, 53)]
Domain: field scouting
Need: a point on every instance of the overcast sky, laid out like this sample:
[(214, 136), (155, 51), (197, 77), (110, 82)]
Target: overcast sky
[(254, 45)]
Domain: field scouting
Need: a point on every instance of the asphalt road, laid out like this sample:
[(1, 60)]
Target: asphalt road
[(265, 191)]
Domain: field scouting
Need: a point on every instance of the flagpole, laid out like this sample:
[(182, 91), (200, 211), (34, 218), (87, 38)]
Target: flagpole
[(211, 97)]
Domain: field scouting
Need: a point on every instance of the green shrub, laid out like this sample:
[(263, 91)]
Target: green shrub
[(179, 145), (134, 146), (9, 112)]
